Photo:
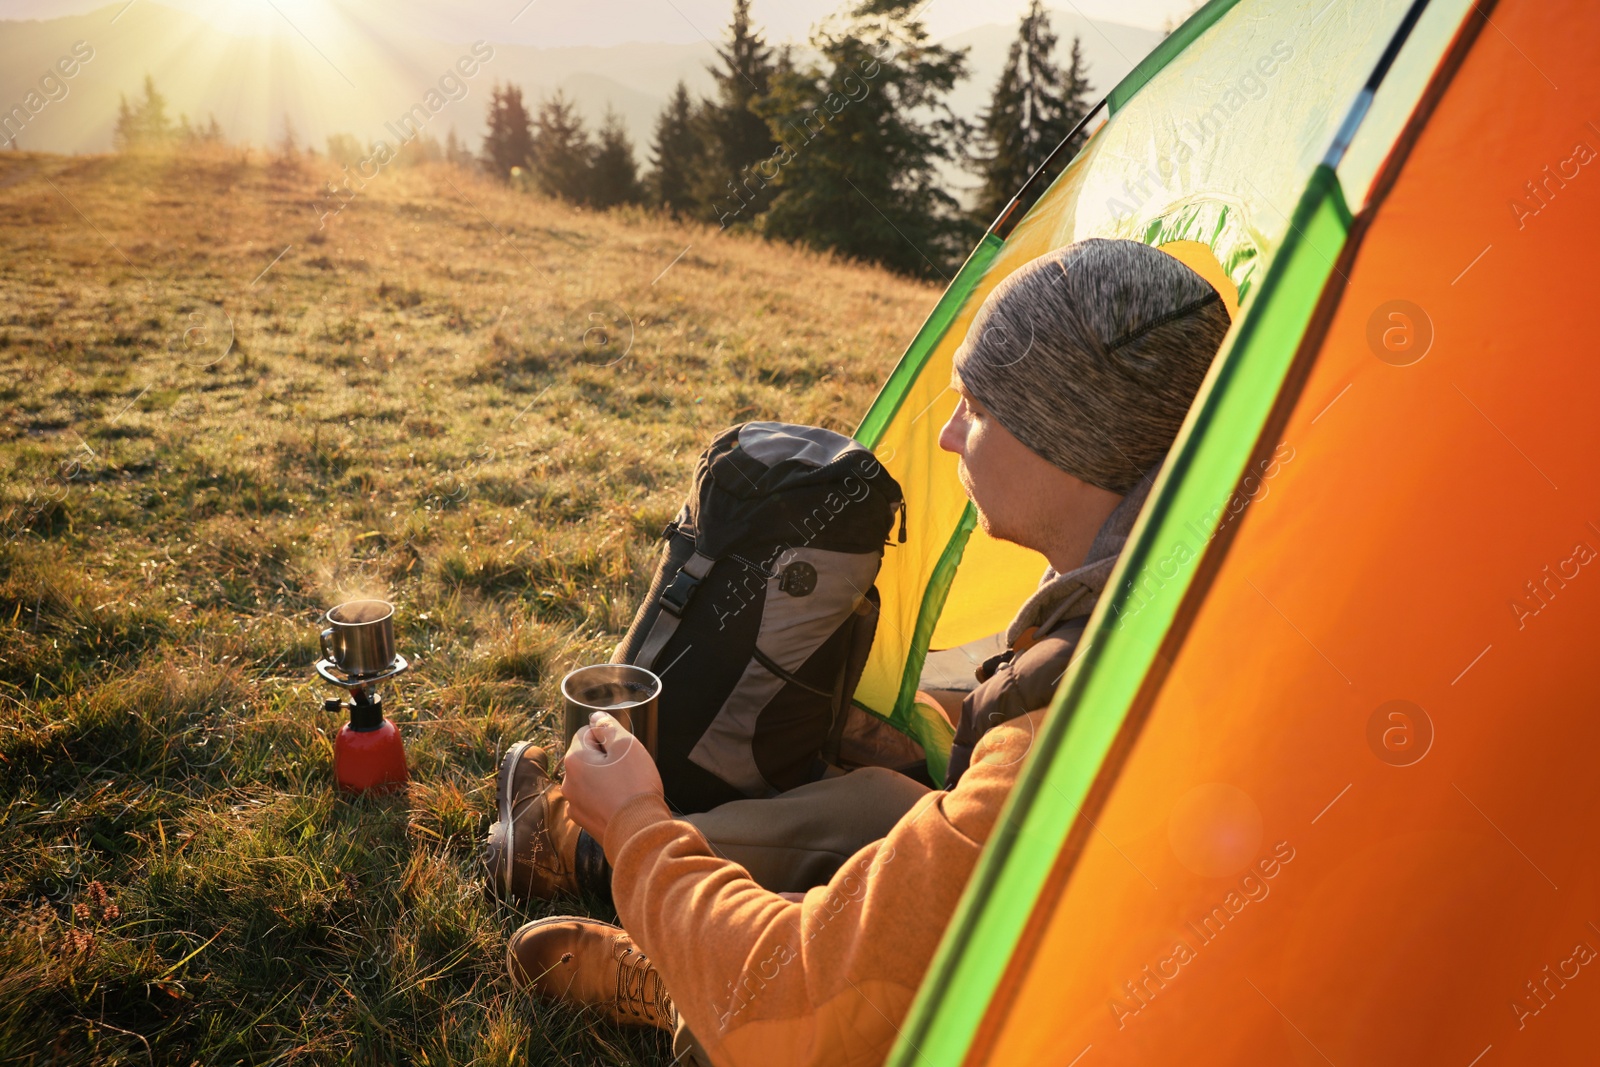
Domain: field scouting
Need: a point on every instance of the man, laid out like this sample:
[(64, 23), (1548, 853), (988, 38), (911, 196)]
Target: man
[(1073, 380)]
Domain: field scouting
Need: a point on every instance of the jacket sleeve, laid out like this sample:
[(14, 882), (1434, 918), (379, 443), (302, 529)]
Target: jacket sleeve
[(762, 980)]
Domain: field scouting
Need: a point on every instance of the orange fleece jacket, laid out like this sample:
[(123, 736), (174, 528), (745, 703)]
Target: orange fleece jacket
[(761, 980)]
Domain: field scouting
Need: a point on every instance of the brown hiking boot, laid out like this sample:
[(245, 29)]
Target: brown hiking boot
[(532, 848), (590, 964)]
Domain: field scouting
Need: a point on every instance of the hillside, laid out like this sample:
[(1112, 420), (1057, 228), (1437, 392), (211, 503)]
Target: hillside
[(415, 403)]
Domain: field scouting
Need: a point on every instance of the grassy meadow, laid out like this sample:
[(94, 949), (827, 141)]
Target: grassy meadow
[(225, 412)]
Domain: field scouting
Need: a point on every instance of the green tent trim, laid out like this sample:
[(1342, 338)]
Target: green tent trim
[(887, 403), (1174, 43), (934, 737)]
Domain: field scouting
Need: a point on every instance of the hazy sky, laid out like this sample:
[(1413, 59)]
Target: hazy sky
[(593, 22)]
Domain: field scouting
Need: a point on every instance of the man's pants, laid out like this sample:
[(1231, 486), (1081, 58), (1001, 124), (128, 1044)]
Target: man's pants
[(797, 840)]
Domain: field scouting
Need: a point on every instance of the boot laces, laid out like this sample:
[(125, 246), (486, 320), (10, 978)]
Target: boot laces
[(639, 988)]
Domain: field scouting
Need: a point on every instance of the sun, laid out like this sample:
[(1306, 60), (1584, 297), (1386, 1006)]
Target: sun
[(318, 21)]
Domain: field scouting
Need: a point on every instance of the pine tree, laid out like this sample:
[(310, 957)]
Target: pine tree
[(1169, 23), (420, 149), (1078, 94), (154, 126), (122, 131), (678, 155), (861, 140), (195, 134), (344, 149), (509, 142), (285, 158), (562, 155), (289, 143), (455, 151), (1033, 109), (145, 125), (614, 175), (736, 137)]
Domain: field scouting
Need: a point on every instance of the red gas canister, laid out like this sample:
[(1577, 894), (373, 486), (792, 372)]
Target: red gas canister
[(368, 754)]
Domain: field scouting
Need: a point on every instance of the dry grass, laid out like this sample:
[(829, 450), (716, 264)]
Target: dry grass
[(408, 410)]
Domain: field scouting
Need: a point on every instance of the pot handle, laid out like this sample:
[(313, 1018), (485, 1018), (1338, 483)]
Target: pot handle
[(327, 646)]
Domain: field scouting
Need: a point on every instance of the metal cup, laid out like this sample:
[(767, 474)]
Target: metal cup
[(631, 695), (360, 637)]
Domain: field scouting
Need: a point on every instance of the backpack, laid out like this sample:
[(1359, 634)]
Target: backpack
[(762, 610)]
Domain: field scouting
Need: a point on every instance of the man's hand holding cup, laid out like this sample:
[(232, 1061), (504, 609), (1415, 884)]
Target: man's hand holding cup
[(606, 767)]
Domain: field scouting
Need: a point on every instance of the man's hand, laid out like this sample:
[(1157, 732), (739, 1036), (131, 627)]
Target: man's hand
[(606, 767)]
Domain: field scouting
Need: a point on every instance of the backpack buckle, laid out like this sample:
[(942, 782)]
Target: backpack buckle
[(675, 597)]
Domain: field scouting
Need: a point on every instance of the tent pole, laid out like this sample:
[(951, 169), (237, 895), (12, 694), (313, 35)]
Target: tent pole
[(1002, 226)]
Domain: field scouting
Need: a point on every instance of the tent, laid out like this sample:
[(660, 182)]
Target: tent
[(1321, 786)]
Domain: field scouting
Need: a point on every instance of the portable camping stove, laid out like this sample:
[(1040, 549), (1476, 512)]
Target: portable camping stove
[(368, 754)]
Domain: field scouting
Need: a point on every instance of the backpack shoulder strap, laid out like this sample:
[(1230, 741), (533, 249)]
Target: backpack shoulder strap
[(674, 600)]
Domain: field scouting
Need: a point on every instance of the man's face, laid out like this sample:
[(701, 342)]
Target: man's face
[(1009, 483), (1020, 496)]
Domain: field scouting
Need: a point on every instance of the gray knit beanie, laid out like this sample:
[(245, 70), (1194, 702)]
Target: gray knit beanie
[(1091, 355)]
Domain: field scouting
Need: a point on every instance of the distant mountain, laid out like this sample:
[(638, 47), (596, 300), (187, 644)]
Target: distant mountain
[(358, 80), (354, 83)]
